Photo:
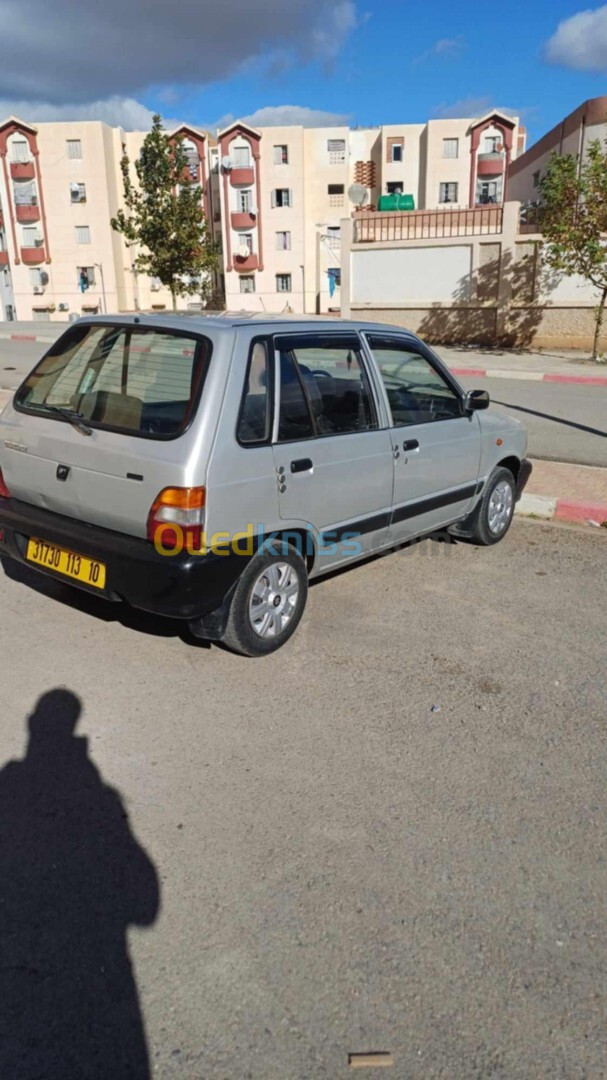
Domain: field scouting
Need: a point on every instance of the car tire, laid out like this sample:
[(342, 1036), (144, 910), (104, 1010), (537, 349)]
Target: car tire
[(493, 516), (268, 601)]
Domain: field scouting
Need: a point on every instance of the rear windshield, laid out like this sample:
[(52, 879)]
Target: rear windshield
[(131, 379)]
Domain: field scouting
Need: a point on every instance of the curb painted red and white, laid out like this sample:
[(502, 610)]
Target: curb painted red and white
[(28, 337), (529, 376), (549, 508)]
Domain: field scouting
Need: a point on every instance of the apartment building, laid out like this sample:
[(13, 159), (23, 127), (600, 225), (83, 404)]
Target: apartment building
[(60, 184), (571, 136), (274, 198), (285, 190)]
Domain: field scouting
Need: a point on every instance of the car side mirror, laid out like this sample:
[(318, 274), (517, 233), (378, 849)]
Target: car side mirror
[(476, 399)]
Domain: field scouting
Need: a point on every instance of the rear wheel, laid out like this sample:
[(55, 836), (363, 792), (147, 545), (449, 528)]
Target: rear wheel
[(268, 603), (493, 515)]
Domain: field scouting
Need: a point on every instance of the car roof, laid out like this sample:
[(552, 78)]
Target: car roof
[(218, 321)]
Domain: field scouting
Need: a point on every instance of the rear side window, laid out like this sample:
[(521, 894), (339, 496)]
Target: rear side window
[(255, 421), (333, 380), (131, 379)]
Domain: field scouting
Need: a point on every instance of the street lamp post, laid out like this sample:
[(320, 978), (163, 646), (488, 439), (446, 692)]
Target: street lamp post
[(100, 268)]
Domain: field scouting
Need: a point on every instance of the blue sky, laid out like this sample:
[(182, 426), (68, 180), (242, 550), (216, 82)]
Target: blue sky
[(413, 62), (354, 61)]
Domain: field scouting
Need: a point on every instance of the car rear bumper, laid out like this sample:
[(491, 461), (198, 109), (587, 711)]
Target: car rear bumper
[(182, 586)]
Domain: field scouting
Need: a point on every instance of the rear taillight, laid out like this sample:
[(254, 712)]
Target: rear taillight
[(177, 518), (4, 492)]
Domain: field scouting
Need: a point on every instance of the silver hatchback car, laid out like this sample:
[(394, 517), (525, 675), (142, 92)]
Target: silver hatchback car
[(206, 468)]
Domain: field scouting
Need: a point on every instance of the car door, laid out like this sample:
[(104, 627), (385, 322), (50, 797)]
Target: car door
[(333, 461), (436, 444)]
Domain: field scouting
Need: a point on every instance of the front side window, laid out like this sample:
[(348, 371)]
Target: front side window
[(417, 392), (143, 382), (255, 420), (333, 380)]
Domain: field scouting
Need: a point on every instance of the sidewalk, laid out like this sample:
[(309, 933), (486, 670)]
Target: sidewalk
[(566, 367)]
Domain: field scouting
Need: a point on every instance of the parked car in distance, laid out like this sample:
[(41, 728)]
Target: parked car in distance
[(206, 468)]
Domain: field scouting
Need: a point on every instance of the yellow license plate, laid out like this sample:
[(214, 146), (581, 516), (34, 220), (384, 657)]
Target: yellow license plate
[(67, 563)]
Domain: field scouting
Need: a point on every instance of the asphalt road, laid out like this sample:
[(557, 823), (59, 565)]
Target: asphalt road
[(314, 862), (566, 422)]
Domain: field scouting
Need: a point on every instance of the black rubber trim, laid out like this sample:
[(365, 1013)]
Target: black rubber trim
[(435, 502), (364, 525)]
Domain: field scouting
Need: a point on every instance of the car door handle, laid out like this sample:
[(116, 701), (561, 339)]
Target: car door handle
[(302, 464), (410, 444)]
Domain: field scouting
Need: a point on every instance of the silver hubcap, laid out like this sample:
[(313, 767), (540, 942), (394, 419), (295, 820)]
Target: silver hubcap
[(500, 507), (274, 599)]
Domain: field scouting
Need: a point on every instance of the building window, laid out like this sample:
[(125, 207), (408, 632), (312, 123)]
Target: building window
[(282, 197), (83, 234), (283, 241), (336, 149), (492, 143), (78, 193), (283, 283), (395, 148), (85, 277), (447, 193), (395, 187), (31, 237), (245, 240), (536, 179), (247, 283), (397, 151), (334, 236), (35, 278), (241, 156), (451, 148), (245, 201), (74, 148), (281, 155), (336, 194), (20, 150)]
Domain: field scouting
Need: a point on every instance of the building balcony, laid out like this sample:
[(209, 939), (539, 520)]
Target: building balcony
[(245, 263), (242, 175), (490, 165), (3, 258), (23, 170), (32, 256), (242, 220), (27, 212)]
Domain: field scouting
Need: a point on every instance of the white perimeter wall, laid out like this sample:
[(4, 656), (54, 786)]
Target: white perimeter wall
[(407, 274)]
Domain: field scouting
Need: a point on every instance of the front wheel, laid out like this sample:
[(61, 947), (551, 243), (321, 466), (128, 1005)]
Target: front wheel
[(493, 515), (268, 603)]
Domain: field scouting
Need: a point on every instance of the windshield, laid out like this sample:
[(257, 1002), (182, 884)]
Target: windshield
[(125, 378)]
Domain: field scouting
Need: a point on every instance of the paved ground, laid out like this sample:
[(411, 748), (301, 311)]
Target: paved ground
[(316, 863), (564, 422)]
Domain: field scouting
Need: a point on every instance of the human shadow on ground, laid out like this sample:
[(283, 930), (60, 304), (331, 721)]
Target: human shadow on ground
[(72, 880)]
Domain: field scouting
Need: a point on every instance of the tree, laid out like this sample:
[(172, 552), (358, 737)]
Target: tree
[(164, 217), (573, 214)]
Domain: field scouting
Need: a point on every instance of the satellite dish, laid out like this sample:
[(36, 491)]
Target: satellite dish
[(358, 194), (227, 163), (243, 251)]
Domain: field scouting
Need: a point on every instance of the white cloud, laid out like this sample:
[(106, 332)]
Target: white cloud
[(64, 52), (474, 107), (282, 115), (580, 41), (117, 111), (444, 47)]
